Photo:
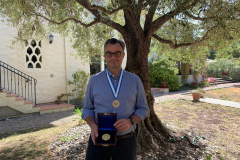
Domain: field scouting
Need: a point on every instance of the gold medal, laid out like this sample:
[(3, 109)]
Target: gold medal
[(115, 103), (106, 137)]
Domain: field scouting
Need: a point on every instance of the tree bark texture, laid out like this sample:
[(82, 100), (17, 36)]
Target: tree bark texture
[(151, 133)]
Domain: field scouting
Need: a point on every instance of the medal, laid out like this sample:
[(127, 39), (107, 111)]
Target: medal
[(115, 91), (115, 103), (106, 137)]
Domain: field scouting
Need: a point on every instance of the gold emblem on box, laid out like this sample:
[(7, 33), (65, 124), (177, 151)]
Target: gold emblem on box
[(106, 137)]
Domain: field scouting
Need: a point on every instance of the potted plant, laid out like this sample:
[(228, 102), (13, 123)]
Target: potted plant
[(197, 94), (163, 84), (225, 74)]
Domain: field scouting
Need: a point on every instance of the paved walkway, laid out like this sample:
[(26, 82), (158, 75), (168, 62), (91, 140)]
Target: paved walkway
[(221, 102), (186, 94)]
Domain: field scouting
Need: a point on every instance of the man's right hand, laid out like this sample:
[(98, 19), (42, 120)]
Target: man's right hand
[(94, 128), (94, 132)]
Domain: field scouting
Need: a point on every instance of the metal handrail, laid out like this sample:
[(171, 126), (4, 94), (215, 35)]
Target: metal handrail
[(17, 82)]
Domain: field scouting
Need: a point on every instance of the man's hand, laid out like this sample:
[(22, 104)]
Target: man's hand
[(94, 132), (94, 128), (123, 124)]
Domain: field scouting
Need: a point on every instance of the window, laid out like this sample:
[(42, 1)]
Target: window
[(33, 54), (95, 67)]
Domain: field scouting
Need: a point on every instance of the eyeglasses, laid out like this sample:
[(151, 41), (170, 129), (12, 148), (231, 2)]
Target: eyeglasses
[(116, 54)]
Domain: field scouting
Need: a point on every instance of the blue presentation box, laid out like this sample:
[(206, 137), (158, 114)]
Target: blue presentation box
[(107, 133)]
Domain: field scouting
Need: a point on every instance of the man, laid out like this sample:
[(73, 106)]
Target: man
[(115, 90)]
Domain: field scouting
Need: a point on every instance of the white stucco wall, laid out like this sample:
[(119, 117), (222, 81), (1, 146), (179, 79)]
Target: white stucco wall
[(56, 60), (6, 34), (190, 78)]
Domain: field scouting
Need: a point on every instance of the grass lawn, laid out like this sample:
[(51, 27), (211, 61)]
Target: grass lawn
[(220, 125), (32, 143), (230, 94)]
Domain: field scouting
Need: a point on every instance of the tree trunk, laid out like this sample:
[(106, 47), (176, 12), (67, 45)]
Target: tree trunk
[(152, 133)]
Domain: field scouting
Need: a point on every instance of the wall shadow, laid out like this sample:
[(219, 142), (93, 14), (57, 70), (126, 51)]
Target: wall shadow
[(32, 123)]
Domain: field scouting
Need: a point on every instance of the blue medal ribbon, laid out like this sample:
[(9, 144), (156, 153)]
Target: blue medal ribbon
[(115, 91)]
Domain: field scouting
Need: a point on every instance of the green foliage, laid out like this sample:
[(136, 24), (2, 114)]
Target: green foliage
[(78, 112), (208, 156), (80, 80), (163, 70), (212, 55), (231, 50), (194, 55), (199, 90), (63, 138), (194, 85), (204, 84), (215, 69)]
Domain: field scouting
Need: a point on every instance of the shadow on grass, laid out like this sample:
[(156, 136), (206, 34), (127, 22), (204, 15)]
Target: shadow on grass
[(29, 124), (237, 86), (14, 133), (26, 150)]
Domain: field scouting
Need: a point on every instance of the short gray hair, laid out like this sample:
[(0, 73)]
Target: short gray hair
[(114, 41)]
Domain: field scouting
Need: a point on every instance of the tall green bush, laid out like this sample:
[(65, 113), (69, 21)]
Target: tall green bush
[(163, 70), (214, 69), (79, 83)]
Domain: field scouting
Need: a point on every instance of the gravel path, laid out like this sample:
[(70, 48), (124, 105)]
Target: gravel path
[(35, 121)]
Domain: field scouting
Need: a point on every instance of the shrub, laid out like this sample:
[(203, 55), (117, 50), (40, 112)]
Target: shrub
[(215, 69), (78, 112), (194, 85), (163, 70), (204, 84), (79, 83)]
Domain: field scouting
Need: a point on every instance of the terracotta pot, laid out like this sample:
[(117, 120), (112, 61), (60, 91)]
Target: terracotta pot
[(163, 85), (196, 96), (225, 73)]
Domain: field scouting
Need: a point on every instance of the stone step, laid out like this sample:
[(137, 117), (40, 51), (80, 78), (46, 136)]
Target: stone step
[(221, 81), (156, 91), (50, 108), (18, 106)]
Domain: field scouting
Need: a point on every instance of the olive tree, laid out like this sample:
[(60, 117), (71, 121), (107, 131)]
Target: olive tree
[(141, 24)]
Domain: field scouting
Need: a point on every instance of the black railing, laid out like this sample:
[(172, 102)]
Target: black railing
[(17, 82)]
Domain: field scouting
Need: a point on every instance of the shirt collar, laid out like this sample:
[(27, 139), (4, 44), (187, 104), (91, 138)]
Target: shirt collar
[(111, 75)]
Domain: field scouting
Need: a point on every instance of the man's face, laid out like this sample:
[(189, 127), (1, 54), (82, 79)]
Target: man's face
[(114, 62)]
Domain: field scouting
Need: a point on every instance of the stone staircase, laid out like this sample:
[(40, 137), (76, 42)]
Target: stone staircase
[(11, 106), (221, 81)]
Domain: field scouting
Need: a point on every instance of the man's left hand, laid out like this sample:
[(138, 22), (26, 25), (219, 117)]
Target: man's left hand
[(123, 124)]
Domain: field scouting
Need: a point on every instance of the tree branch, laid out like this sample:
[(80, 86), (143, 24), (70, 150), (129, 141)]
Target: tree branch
[(101, 19), (174, 46), (207, 45), (237, 21), (140, 5), (68, 19), (149, 16), (130, 1), (198, 18), (95, 7), (163, 19)]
